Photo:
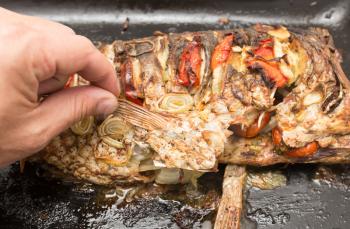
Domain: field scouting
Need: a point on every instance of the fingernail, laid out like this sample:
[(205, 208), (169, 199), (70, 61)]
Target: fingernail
[(107, 106)]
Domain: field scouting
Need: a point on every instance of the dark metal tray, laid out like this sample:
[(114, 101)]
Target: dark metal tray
[(315, 197)]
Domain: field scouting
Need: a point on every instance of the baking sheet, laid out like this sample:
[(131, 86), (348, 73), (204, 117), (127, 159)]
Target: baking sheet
[(309, 200)]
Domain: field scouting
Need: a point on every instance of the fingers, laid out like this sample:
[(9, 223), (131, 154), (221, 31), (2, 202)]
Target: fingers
[(66, 53), (62, 109), (76, 54), (51, 85)]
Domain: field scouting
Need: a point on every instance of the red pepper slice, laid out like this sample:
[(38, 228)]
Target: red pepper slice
[(266, 42), (276, 136), (305, 151), (222, 51), (264, 52), (271, 72), (132, 97), (254, 129), (190, 65), (127, 82)]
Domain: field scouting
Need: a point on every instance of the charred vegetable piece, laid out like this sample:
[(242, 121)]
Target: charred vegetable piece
[(270, 72), (220, 55), (222, 52), (127, 80), (254, 129), (305, 151), (264, 62), (190, 65)]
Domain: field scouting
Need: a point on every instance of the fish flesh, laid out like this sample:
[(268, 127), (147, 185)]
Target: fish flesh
[(259, 95)]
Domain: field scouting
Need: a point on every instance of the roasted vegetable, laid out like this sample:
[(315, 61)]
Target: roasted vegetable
[(190, 65), (306, 151), (254, 129)]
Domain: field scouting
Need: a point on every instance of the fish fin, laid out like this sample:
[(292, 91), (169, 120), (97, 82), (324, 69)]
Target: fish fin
[(139, 116)]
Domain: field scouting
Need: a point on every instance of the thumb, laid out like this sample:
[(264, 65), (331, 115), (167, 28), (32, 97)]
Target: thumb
[(62, 109)]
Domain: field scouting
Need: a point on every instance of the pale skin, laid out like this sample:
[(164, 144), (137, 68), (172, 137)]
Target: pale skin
[(37, 57)]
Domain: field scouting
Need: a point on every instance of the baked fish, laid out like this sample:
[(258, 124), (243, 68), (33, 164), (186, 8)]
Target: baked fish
[(259, 95)]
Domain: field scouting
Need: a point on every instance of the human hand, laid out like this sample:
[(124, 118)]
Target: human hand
[(37, 58)]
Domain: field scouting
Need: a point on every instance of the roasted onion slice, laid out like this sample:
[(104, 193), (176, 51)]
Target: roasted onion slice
[(176, 103), (112, 131), (84, 126), (177, 176)]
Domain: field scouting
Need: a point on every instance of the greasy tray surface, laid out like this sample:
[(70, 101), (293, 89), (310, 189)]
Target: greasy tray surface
[(316, 205)]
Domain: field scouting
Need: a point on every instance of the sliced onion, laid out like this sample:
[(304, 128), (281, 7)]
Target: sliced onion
[(236, 62), (162, 49), (281, 33), (113, 130), (136, 74), (176, 103), (218, 80), (236, 49), (162, 52), (168, 176), (312, 98), (147, 165), (277, 48), (79, 81), (177, 176), (297, 59), (84, 126), (287, 71)]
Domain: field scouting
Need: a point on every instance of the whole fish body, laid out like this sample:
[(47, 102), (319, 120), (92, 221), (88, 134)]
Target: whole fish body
[(259, 95)]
